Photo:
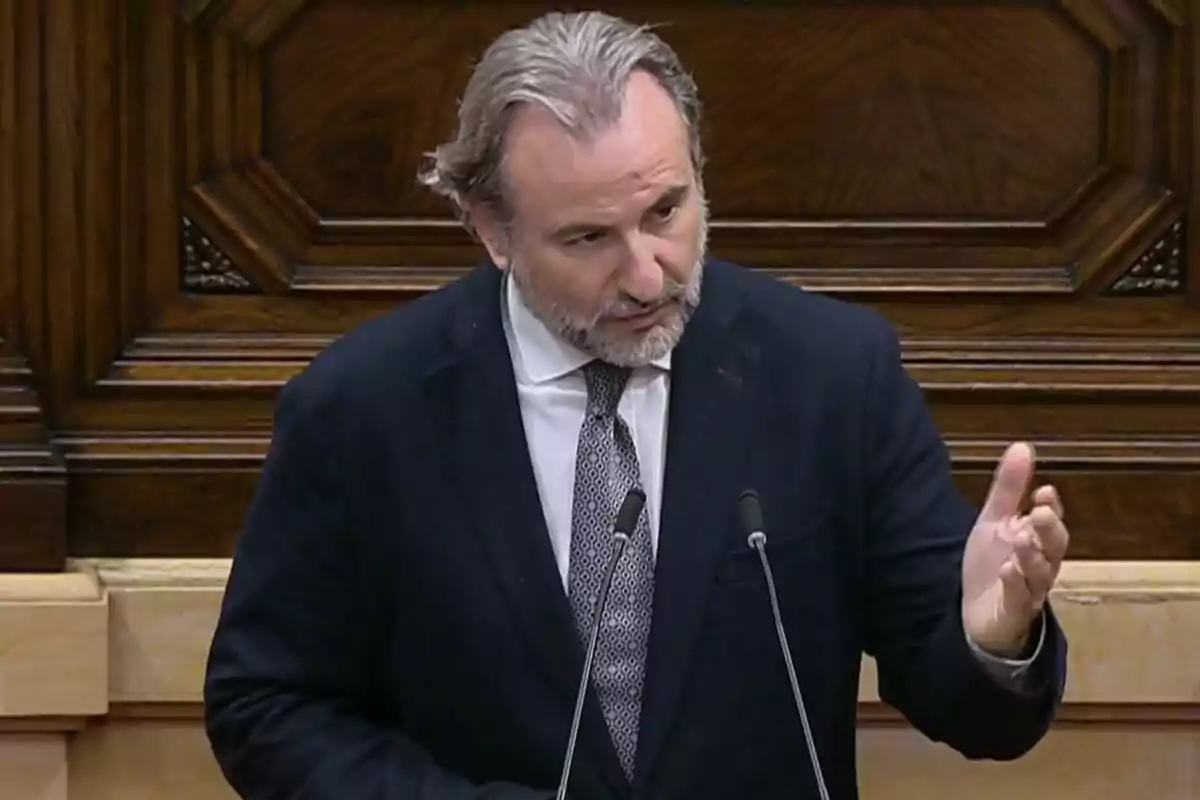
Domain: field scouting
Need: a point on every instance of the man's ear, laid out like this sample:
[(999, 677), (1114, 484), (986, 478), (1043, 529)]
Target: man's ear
[(491, 232)]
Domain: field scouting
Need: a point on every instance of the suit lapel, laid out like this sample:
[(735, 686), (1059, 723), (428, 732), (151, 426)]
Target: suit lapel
[(490, 454), (713, 375)]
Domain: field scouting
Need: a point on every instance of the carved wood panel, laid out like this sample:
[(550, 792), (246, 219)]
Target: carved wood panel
[(33, 492), (211, 191)]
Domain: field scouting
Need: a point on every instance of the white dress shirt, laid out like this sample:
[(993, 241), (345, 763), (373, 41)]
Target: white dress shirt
[(552, 394), (553, 399)]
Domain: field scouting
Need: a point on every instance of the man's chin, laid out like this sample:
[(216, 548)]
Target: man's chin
[(634, 349)]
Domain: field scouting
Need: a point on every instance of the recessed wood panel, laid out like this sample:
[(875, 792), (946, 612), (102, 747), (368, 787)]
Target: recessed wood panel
[(977, 148), (956, 113), (196, 198)]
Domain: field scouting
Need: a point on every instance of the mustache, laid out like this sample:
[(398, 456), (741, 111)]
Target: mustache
[(628, 306)]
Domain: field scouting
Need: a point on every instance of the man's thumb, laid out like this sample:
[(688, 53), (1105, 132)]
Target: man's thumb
[(1010, 484)]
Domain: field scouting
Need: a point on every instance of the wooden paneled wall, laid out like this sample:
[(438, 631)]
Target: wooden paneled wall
[(196, 196)]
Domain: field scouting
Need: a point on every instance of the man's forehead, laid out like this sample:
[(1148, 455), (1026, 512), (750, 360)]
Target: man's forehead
[(648, 139)]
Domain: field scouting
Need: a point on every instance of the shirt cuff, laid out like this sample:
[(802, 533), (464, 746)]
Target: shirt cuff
[(1009, 672)]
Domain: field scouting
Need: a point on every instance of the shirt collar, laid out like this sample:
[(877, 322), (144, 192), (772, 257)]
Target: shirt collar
[(539, 355)]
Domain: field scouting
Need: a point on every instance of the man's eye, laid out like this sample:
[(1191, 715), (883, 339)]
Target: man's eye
[(664, 213), (587, 238)]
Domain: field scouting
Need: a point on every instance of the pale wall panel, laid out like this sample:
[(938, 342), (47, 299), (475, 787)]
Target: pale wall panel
[(1095, 763), (103, 668), (33, 766), (132, 759)]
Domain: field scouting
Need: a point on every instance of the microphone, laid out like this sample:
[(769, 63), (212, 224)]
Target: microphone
[(752, 522), (623, 528)]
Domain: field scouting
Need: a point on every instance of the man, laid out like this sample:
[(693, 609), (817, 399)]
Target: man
[(409, 605)]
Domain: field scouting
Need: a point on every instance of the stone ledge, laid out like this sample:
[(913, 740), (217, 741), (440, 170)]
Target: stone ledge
[(135, 633), (54, 645)]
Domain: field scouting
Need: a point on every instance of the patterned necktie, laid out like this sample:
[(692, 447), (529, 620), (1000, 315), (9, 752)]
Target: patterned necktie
[(606, 467)]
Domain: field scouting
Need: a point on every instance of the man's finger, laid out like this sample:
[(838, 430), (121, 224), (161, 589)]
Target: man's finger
[(1052, 535), (1035, 569), (1048, 496), (1018, 595), (1010, 483)]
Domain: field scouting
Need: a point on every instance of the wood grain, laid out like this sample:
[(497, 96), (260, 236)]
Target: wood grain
[(211, 192), (33, 490)]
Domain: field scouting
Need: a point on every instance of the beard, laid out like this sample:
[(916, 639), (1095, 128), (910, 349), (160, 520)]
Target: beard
[(624, 350)]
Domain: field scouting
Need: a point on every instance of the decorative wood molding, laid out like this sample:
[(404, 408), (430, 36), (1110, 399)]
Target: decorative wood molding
[(1159, 272), (1170, 368), (33, 478), (183, 243), (162, 473), (206, 268), (33, 490), (978, 245)]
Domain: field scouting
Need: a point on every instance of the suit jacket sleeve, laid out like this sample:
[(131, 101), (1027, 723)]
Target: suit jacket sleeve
[(287, 691), (918, 524)]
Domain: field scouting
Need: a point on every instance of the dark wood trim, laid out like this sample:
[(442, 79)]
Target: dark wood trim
[(191, 488), (33, 486), (50, 725), (870, 715), (1187, 127), (1071, 715)]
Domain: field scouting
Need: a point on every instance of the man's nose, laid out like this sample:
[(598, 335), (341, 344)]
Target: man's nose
[(644, 278)]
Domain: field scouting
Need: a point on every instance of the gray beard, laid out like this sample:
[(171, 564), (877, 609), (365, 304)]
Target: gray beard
[(630, 351), (633, 351)]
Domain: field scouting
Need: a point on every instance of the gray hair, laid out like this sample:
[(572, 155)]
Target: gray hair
[(576, 66)]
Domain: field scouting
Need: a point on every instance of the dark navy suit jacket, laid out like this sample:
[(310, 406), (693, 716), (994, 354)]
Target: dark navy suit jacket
[(395, 625)]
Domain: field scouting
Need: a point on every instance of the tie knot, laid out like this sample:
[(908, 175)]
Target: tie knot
[(605, 385)]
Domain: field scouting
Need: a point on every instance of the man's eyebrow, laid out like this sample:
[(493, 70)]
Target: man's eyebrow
[(672, 195)]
